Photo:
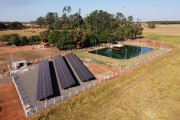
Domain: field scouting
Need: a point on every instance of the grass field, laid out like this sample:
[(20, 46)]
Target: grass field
[(26, 32), (150, 92)]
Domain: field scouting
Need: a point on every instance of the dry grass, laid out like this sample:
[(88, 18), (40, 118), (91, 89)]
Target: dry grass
[(167, 30), (28, 54), (25, 32), (148, 93)]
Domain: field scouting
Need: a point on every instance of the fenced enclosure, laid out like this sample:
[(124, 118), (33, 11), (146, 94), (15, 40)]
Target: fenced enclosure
[(29, 109)]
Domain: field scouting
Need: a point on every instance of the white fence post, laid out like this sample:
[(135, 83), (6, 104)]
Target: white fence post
[(36, 109), (76, 91), (54, 101), (45, 105), (69, 94), (62, 98)]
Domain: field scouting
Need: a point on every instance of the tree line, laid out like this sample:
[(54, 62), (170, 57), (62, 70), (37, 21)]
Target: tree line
[(74, 31), (11, 25), (69, 30), (15, 39), (164, 22)]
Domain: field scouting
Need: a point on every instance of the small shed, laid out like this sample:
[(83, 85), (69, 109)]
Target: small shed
[(19, 64), (44, 45), (7, 43)]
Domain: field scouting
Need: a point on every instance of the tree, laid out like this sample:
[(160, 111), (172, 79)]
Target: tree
[(98, 19), (66, 9), (76, 21), (14, 39), (138, 29), (50, 19), (53, 37), (15, 25), (40, 21), (33, 39), (119, 16), (130, 18), (4, 38), (98, 25), (23, 40), (2, 26), (44, 35), (65, 41), (151, 25)]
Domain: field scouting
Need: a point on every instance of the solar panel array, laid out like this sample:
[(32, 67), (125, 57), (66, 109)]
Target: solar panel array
[(44, 88), (63, 73), (79, 68)]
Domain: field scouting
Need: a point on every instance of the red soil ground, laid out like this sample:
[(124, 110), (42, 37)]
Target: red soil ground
[(10, 106), (10, 49), (100, 70)]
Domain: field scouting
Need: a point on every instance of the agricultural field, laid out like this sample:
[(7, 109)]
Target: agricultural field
[(151, 92), (26, 32)]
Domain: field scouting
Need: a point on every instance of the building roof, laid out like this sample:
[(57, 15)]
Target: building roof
[(17, 62), (44, 43), (118, 45)]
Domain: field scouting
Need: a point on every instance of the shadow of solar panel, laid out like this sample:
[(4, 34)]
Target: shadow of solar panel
[(44, 87), (63, 73), (79, 68)]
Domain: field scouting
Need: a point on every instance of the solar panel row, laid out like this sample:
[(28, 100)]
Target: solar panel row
[(79, 68), (63, 73), (44, 88)]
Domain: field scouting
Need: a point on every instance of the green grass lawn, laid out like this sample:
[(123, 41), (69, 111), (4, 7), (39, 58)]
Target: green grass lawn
[(151, 92)]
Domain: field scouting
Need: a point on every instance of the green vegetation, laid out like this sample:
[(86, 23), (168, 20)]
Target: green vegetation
[(11, 25), (151, 25), (149, 92), (15, 39), (165, 22), (3, 26), (99, 26)]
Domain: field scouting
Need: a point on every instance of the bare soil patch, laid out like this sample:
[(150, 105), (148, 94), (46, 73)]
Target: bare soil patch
[(10, 106), (25, 53)]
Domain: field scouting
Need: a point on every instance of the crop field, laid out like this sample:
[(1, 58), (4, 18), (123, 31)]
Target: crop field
[(151, 92)]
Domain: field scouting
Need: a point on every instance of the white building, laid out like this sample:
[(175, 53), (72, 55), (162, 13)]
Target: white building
[(19, 64)]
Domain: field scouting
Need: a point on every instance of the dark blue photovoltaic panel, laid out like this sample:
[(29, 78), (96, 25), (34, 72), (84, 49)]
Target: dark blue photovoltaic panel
[(81, 71), (44, 87), (63, 73)]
